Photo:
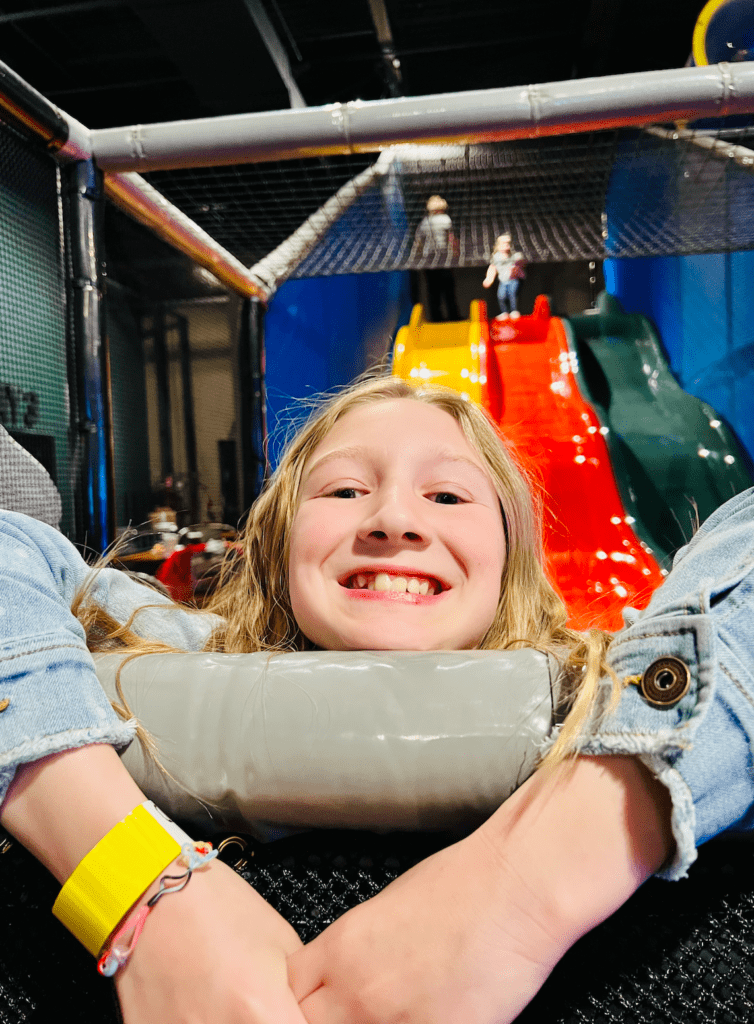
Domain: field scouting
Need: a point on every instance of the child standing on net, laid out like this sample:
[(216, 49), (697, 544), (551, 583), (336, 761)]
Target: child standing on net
[(508, 268), (397, 520), (436, 244)]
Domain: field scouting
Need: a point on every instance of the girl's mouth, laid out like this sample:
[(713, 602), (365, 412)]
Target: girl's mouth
[(396, 583)]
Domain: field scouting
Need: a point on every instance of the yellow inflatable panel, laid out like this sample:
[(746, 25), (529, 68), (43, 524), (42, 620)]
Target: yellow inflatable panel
[(446, 353)]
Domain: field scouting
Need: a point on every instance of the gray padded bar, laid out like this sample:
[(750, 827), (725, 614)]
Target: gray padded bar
[(362, 740), (553, 108)]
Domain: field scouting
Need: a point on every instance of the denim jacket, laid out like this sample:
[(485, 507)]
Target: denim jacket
[(50, 697), (700, 746)]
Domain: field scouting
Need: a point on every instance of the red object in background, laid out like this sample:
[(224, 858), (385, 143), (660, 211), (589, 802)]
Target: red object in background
[(594, 557), (175, 572)]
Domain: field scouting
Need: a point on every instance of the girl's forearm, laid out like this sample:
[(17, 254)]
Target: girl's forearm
[(582, 838), (61, 806), (219, 928)]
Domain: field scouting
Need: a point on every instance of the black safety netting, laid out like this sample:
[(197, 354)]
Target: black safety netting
[(675, 952), (250, 209), (618, 192), (40, 447)]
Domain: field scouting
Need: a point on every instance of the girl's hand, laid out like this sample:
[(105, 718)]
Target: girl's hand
[(454, 939), (214, 953), (471, 933)]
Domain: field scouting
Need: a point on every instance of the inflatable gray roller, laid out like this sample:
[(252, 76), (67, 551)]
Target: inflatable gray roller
[(336, 740)]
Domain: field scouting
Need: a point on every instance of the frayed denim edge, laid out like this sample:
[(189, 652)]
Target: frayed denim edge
[(653, 750), (682, 817)]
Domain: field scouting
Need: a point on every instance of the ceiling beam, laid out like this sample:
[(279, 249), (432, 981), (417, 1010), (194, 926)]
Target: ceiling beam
[(83, 7), (275, 49), (390, 61)]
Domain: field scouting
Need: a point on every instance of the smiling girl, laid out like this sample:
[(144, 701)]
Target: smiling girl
[(397, 520)]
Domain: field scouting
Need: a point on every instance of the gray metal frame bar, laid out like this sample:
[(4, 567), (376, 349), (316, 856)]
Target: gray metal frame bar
[(470, 117), (720, 148), (63, 135)]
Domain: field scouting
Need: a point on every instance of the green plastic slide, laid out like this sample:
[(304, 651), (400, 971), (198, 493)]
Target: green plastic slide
[(675, 458)]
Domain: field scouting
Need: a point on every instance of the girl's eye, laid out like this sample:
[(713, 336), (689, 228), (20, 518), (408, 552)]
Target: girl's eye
[(445, 498), (344, 492)]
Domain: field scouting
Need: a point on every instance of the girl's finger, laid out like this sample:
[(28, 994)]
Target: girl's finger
[(320, 1008), (306, 970)]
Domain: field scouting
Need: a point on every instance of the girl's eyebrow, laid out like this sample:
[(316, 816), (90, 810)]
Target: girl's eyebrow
[(447, 456), (359, 452), (353, 452)]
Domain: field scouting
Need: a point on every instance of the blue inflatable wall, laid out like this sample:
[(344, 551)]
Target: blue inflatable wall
[(703, 308), (321, 333)]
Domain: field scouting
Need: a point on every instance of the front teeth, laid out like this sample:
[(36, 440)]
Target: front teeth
[(396, 584)]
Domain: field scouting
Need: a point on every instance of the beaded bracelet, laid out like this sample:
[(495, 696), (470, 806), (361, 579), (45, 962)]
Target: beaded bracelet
[(193, 856)]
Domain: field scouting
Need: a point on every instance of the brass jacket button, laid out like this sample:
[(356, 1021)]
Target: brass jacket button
[(4, 704), (665, 682)]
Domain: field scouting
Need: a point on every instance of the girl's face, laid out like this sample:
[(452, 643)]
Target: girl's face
[(398, 541)]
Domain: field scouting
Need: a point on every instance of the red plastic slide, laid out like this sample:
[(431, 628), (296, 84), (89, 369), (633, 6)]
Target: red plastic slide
[(594, 557)]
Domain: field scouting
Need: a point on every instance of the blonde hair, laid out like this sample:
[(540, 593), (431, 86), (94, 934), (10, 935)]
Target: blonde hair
[(436, 204), (252, 597)]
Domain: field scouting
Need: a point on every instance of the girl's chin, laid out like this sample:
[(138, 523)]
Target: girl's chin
[(385, 640)]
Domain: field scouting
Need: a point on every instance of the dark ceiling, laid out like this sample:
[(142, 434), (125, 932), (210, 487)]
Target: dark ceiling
[(115, 62)]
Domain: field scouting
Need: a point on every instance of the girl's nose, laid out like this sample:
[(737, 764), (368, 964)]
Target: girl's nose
[(395, 520)]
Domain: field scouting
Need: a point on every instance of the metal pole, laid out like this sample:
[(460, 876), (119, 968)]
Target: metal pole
[(252, 400), (66, 137), (83, 204), (162, 380), (557, 108), (145, 204), (189, 425), (277, 265)]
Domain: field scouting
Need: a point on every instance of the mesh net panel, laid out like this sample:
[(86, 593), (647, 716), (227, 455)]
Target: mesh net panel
[(34, 396), (676, 193), (578, 197), (622, 192), (250, 209)]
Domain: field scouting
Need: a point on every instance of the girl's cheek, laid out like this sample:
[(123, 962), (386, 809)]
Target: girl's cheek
[(313, 533)]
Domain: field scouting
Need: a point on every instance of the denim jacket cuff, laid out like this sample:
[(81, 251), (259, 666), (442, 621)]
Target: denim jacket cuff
[(665, 738)]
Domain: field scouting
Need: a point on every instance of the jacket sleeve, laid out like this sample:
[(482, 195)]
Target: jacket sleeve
[(49, 693), (687, 663)]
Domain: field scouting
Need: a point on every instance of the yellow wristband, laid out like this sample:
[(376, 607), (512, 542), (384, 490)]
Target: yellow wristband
[(114, 874)]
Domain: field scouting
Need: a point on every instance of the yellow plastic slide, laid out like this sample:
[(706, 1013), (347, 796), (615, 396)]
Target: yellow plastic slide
[(446, 353)]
